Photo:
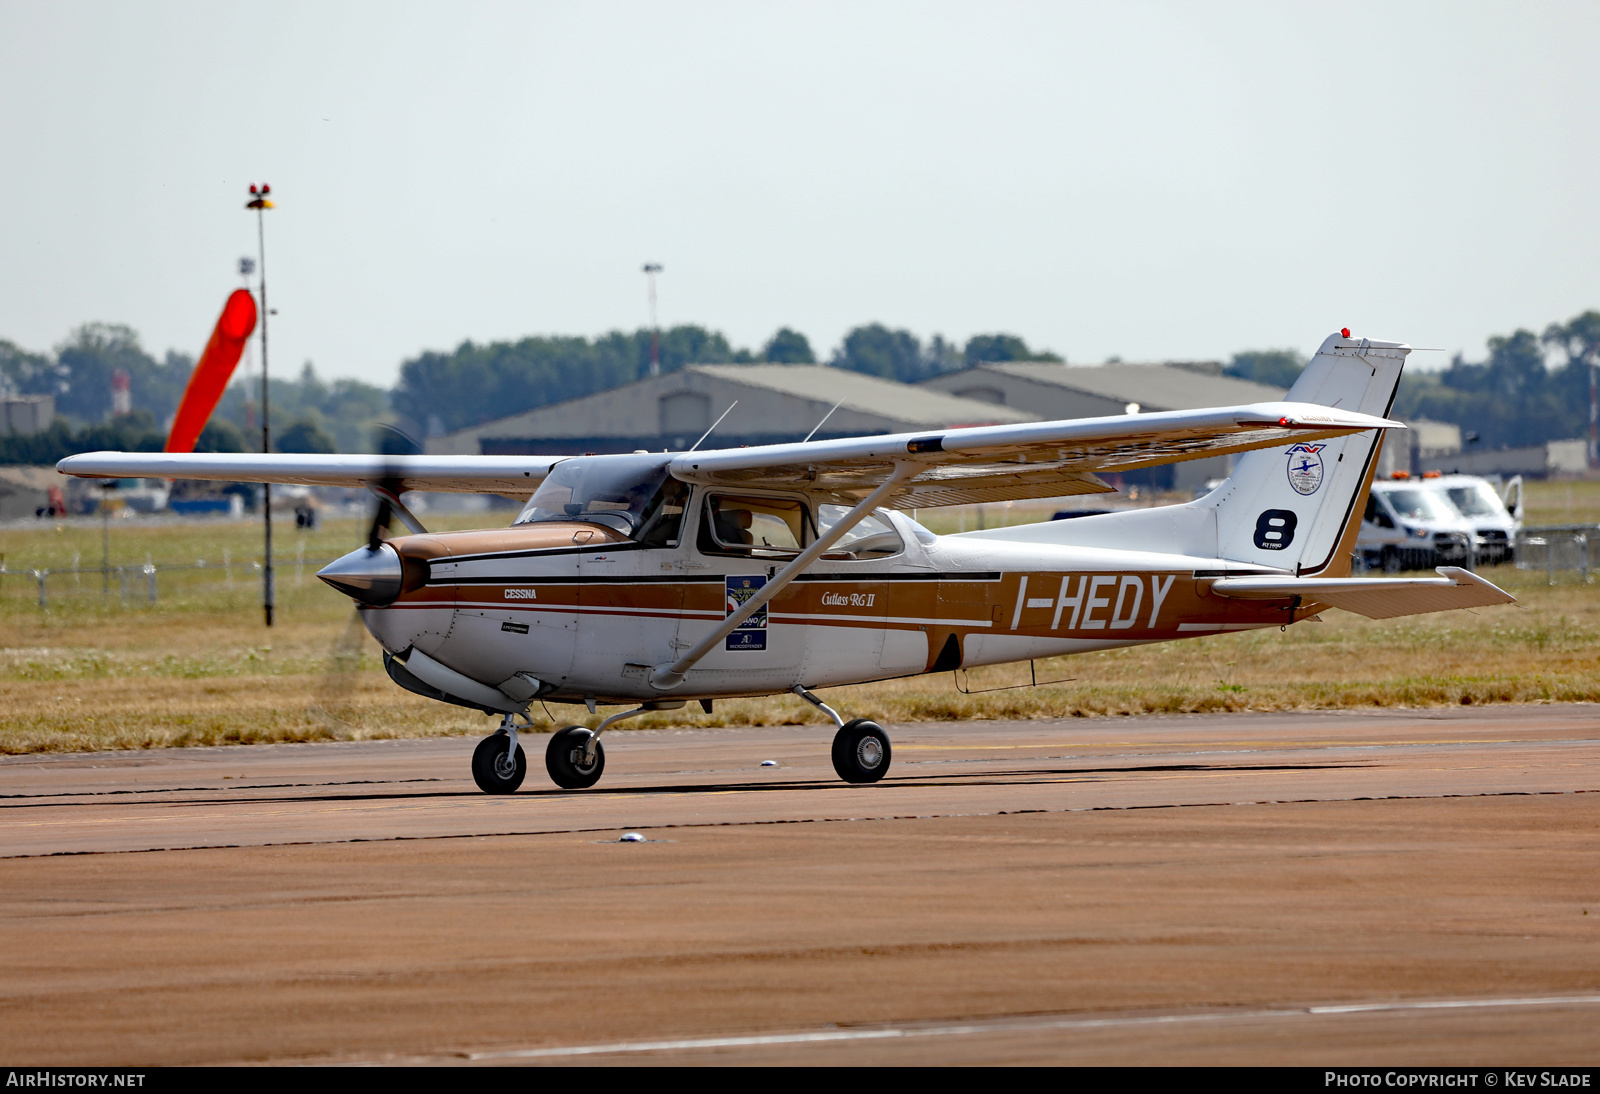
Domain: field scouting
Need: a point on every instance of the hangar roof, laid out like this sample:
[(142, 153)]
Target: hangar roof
[(1169, 386), (776, 402), (915, 406)]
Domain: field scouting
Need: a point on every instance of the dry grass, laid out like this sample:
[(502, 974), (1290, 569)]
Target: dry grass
[(199, 668), (1565, 501)]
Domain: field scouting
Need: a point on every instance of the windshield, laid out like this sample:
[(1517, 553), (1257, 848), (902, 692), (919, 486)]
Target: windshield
[(632, 494), (1476, 500), (1419, 504)]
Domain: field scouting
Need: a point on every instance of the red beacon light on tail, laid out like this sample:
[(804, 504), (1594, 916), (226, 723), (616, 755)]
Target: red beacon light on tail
[(1344, 332)]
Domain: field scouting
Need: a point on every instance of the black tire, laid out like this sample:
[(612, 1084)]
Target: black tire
[(563, 758), (861, 751), (1392, 562), (490, 769)]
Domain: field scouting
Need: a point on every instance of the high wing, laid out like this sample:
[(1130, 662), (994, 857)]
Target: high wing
[(1030, 460), (958, 466), (1373, 597), (517, 476)]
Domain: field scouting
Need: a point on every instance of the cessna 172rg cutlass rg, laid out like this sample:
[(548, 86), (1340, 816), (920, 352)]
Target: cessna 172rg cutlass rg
[(654, 579)]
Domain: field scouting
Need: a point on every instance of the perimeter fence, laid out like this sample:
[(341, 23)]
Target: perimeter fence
[(146, 583), (1559, 549)]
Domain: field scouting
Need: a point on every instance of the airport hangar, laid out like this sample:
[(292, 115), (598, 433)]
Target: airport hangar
[(1055, 391), (777, 403), (780, 403)]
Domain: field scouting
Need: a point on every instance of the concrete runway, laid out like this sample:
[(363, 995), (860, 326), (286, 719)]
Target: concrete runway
[(1358, 888)]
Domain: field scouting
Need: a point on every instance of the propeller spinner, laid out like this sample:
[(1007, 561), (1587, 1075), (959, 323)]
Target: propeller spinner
[(372, 575), (369, 575)]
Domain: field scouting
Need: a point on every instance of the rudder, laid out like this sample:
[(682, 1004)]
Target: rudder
[(1292, 507)]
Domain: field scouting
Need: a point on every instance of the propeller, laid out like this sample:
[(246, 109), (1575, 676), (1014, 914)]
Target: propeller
[(334, 704), (388, 490)]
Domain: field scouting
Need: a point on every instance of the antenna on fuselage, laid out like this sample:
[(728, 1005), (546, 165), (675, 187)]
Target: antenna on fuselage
[(825, 417), (714, 425)]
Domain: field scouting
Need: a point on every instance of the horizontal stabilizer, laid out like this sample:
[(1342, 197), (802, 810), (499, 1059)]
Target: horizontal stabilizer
[(1375, 598)]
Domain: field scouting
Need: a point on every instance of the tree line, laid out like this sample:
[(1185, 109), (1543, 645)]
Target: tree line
[(441, 392), (309, 413), (1529, 389)]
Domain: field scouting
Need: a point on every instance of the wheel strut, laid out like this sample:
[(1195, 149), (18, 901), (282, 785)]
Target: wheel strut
[(508, 726), (800, 690), (654, 704)]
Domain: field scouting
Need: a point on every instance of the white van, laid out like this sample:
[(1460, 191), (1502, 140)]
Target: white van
[(1410, 525), (1494, 526)]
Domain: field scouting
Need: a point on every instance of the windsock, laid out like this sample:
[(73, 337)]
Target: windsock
[(211, 375)]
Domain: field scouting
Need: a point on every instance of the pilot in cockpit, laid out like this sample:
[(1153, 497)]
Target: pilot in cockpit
[(733, 526)]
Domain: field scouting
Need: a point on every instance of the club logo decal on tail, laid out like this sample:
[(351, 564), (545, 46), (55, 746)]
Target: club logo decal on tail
[(1305, 467), (1275, 529)]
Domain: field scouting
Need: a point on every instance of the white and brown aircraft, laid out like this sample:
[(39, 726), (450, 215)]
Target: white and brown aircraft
[(654, 579)]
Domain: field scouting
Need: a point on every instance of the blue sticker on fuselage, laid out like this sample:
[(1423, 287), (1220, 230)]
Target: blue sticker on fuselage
[(752, 633)]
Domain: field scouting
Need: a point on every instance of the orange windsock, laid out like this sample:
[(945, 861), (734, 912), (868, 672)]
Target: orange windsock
[(211, 375)]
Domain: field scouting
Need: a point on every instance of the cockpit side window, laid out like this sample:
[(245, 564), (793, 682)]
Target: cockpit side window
[(755, 527)]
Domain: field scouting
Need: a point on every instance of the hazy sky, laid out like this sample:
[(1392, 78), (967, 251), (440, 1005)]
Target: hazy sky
[(1147, 180)]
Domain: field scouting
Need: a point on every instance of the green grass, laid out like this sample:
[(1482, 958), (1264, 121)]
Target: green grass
[(199, 667)]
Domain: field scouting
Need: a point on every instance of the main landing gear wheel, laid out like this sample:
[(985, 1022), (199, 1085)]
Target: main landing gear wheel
[(565, 760), (861, 751), (494, 769)]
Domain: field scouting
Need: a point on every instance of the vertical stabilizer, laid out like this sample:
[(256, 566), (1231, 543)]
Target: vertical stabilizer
[(1291, 507)]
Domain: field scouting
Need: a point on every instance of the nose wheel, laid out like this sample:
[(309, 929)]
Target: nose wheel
[(861, 751), (495, 767)]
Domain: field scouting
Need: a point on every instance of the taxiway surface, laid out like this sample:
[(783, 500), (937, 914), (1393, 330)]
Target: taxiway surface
[(1160, 889)]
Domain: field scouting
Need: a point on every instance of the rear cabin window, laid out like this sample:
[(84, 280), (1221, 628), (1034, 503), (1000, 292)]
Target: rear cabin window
[(873, 537)]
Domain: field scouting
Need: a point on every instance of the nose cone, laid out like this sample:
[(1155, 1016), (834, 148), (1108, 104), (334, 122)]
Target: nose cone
[(367, 575)]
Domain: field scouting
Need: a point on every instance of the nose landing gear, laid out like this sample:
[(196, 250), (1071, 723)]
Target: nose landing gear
[(498, 763)]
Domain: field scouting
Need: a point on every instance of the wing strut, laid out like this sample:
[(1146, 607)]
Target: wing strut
[(385, 493), (667, 677)]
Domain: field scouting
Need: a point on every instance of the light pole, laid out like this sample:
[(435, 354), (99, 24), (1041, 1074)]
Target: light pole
[(650, 271), (259, 202), (105, 537), (247, 269)]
